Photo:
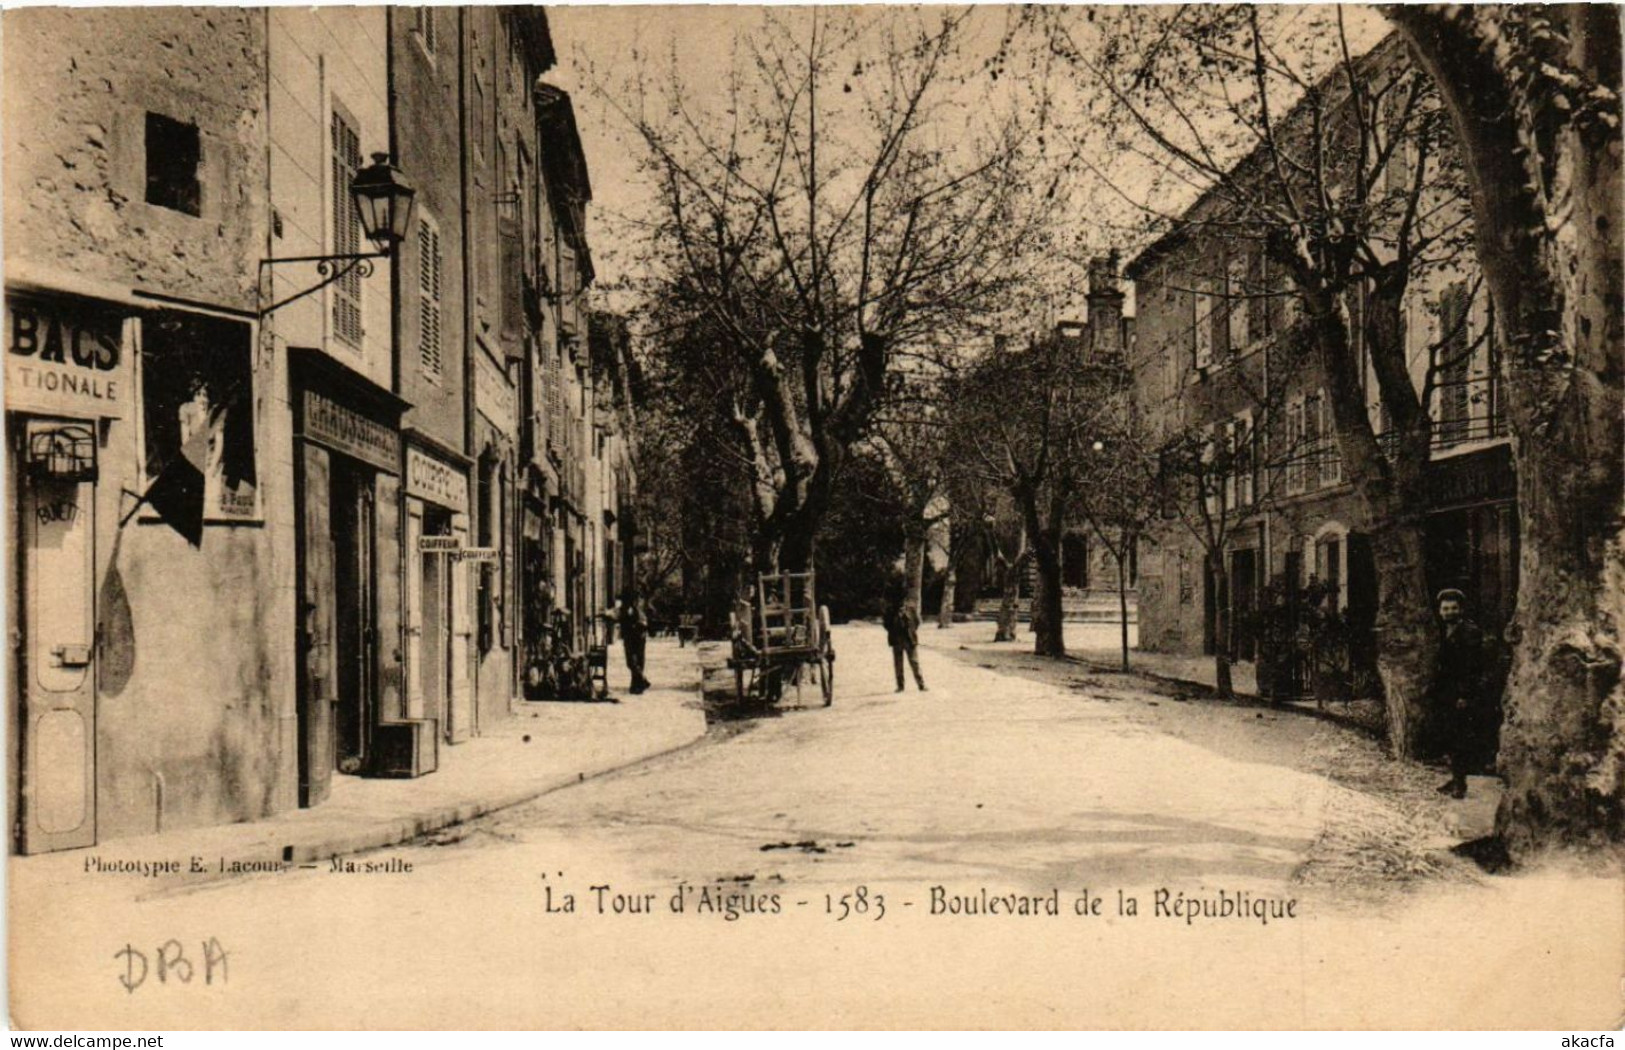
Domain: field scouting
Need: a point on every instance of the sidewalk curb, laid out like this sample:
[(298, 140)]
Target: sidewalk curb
[(424, 822), (387, 832), (1236, 695)]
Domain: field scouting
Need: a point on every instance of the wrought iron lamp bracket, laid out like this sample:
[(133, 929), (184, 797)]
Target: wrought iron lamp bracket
[(331, 267)]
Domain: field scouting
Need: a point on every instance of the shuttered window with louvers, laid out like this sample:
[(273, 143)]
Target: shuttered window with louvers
[(346, 160), (430, 349)]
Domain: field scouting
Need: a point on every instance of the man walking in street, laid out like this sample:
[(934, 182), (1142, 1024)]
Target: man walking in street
[(1459, 679), (902, 634), (634, 636)]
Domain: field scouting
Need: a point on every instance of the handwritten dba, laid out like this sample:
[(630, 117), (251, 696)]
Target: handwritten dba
[(169, 964)]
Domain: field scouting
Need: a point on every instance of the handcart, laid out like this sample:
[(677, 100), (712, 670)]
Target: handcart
[(782, 639)]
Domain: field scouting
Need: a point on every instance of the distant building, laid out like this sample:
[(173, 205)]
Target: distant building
[(1105, 338)]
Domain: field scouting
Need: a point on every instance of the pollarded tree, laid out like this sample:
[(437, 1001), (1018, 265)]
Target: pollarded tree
[(1120, 500), (851, 205), (910, 437), (1533, 94), (983, 508)]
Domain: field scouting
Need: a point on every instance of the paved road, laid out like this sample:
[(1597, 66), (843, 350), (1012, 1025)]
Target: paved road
[(1010, 780), (986, 776)]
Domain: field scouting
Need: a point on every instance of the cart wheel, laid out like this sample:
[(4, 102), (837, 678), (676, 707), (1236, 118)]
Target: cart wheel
[(826, 676)]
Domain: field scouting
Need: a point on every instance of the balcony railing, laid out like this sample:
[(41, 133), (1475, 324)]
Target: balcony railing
[(1450, 433)]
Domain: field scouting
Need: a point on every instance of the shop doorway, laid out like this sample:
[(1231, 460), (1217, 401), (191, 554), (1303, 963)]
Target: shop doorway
[(355, 612), (53, 473), (436, 571), (338, 638), (1243, 603)]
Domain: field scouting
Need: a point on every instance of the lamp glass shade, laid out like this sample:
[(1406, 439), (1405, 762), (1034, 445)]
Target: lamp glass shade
[(384, 200)]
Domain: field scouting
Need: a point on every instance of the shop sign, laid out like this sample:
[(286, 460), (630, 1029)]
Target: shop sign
[(1476, 477), (493, 395), (65, 362), (439, 544), (348, 431), (479, 554), (428, 478)]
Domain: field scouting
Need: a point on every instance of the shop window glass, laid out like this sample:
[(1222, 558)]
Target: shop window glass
[(196, 377)]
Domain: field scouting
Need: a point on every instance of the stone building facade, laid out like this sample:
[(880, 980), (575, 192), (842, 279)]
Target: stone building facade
[(1220, 353), (273, 513), (135, 189)]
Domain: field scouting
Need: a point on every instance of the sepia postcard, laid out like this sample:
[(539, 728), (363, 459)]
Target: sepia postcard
[(727, 517)]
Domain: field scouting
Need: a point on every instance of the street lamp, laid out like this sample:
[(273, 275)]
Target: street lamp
[(383, 201)]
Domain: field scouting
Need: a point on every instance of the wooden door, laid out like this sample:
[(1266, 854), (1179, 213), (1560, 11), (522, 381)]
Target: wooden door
[(460, 662), (317, 686), (57, 672)]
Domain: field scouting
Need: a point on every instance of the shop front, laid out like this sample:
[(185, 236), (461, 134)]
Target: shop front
[(439, 654), (1472, 532), (497, 525), (537, 594), (67, 379), (352, 710)]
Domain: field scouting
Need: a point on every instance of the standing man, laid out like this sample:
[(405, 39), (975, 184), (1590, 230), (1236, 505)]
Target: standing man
[(902, 634), (1458, 689), (634, 636)]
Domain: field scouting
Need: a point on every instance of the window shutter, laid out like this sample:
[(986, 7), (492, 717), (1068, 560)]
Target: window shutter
[(1203, 325), (1238, 307), (1296, 453), (1454, 357), (1331, 456), (429, 306), (346, 160)]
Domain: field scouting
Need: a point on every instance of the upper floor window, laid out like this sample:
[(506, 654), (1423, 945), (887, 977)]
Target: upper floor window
[(174, 157), (1202, 321), (1296, 450), (1312, 454), (1313, 439), (1239, 305), (1243, 445), (1452, 369), (346, 160), (1330, 454), (1398, 125), (1264, 308)]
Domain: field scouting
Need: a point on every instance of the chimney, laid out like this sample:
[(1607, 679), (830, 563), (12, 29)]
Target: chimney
[(1105, 307)]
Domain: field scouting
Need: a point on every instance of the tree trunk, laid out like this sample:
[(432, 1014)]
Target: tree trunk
[(1048, 628), (1546, 205), (1406, 638), (1221, 625), (1122, 605), (1394, 490), (1010, 592), (914, 540), (945, 612)]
